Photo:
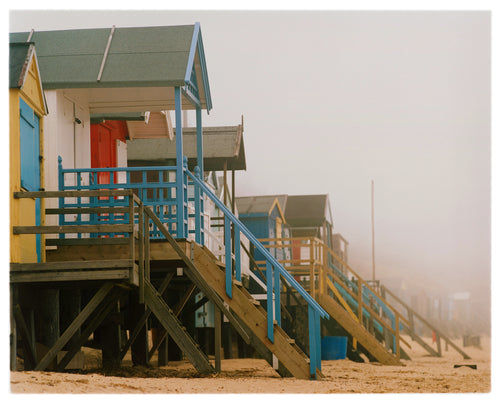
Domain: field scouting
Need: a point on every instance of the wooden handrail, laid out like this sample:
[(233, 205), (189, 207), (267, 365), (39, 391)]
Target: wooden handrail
[(305, 269), (432, 327)]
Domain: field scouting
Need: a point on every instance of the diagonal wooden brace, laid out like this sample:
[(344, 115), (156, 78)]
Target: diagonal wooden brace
[(74, 326)]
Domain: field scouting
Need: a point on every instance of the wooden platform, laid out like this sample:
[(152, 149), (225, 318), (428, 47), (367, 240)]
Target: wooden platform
[(80, 270)]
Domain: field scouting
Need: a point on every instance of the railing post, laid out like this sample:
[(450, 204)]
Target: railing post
[(197, 207), (131, 221), (360, 301), (141, 253), (179, 176), (398, 352), (60, 186), (312, 342), (229, 260), (270, 314), (185, 228), (277, 296), (237, 253)]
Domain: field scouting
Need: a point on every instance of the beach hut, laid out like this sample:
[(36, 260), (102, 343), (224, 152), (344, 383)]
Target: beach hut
[(26, 132), (263, 215)]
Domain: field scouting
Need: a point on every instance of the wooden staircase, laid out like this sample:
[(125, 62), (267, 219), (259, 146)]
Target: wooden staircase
[(357, 331), (242, 310), (254, 317)]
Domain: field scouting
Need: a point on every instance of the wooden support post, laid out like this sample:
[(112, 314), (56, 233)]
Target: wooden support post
[(225, 183), (140, 345), (28, 347), (218, 338), (227, 339), (13, 329), (438, 341), (71, 300), (141, 254), (49, 317), (111, 340), (163, 351)]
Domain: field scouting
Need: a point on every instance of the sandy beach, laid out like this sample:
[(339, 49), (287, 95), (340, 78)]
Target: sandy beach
[(422, 374)]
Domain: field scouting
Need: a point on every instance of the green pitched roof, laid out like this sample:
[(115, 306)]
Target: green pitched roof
[(18, 58), (137, 57)]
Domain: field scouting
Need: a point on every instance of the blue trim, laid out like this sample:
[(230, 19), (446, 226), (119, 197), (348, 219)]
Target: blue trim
[(270, 313), (204, 72), (229, 260), (179, 164), (199, 141), (237, 256), (277, 296), (312, 342), (197, 45), (192, 52)]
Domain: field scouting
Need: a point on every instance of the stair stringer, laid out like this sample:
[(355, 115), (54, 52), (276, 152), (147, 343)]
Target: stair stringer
[(252, 315), (179, 334), (356, 330)]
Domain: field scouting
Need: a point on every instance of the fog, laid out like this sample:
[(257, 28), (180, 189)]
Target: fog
[(334, 99)]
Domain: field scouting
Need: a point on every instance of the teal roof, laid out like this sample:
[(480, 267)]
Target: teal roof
[(136, 57)]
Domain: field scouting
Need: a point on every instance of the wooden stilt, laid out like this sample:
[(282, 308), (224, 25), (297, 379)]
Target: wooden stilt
[(111, 340), (140, 345), (218, 334)]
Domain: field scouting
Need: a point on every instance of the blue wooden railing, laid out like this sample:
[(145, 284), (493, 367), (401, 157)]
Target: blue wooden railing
[(157, 187), (369, 297)]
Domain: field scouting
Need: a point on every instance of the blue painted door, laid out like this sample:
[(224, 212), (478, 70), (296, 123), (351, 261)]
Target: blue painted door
[(30, 160)]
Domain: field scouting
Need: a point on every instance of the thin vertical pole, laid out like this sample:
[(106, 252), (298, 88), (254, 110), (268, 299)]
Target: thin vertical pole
[(199, 195), (270, 315), (225, 183), (373, 231), (179, 162), (218, 338), (199, 141), (312, 342), (277, 296), (237, 253), (229, 260)]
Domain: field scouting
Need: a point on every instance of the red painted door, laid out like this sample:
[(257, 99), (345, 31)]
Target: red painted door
[(103, 138)]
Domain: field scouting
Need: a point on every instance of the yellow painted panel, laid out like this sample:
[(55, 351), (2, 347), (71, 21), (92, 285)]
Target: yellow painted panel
[(28, 242)]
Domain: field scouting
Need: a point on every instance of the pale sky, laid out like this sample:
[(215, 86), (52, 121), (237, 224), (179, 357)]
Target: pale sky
[(334, 99)]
